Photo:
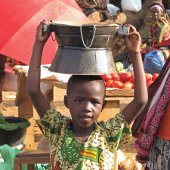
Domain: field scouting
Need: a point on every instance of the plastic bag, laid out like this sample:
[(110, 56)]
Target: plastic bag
[(153, 62), (8, 154), (131, 5), (113, 10)]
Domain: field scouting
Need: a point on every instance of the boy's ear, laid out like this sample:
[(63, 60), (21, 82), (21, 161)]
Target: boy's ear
[(66, 101), (104, 104)]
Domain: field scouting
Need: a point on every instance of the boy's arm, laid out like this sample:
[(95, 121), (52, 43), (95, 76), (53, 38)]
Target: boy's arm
[(39, 101), (132, 110)]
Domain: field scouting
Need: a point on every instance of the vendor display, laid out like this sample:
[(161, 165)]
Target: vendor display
[(125, 80)]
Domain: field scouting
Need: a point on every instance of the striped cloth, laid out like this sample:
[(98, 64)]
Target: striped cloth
[(154, 112)]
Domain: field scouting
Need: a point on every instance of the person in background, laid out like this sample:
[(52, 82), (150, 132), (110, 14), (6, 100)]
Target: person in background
[(157, 27), (102, 11), (3, 60), (95, 10), (81, 142), (153, 134), (2, 72)]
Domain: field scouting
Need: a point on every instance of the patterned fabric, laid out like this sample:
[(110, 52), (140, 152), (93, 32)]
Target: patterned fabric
[(164, 126), (151, 122), (97, 153), (156, 31), (159, 158)]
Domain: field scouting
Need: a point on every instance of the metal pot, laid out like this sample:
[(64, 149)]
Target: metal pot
[(72, 60), (83, 48)]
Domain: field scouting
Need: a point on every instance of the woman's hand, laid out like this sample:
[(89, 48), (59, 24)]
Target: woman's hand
[(133, 41), (40, 37)]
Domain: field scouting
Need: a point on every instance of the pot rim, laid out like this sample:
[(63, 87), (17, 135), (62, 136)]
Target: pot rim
[(78, 24)]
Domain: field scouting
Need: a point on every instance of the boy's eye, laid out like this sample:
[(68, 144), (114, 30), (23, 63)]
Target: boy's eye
[(95, 102), (78, 100)]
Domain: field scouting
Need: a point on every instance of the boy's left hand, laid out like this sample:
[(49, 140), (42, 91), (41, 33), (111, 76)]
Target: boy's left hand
[(133, 41)]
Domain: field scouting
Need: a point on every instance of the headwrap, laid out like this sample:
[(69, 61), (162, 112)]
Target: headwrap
[(158, 5)]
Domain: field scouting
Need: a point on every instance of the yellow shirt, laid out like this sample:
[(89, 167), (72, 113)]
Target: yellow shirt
[(67, 153)]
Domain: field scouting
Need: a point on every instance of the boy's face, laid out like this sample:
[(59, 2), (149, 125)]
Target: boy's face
[(85, 102)]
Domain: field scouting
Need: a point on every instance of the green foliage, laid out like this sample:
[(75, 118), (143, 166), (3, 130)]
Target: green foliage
[(11, 126)]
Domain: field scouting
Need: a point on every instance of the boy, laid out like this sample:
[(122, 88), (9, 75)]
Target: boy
[(81, 143)]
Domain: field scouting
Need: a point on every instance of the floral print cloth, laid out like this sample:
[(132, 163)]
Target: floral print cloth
[(96, 154), (156, 31)]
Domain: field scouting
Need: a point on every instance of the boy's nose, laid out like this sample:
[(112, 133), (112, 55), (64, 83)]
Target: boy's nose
[(87, 106)]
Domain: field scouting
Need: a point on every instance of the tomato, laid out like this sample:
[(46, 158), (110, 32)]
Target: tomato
[(109, 83), (125, 76), (106, 77), (127, 85), (155, 76), (115, 76), (117, 84), (148, 77), (149, 83), (132, 78)]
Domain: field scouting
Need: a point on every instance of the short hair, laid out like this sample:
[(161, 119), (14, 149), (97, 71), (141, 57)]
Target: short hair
[(82, 78)]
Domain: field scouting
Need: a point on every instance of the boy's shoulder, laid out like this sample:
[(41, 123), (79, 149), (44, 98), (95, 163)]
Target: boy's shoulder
[(114, 122), (53, 118)]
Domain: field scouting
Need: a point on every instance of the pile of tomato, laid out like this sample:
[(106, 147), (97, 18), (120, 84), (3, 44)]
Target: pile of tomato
[(125, 80)]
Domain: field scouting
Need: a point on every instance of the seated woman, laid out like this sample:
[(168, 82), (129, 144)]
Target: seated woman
[(157, 27), (97, 11)]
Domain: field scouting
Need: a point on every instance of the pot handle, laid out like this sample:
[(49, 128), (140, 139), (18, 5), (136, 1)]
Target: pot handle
[(82, 37)]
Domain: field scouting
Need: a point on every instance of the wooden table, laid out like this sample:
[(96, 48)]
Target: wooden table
[(24, 103), (116, 100), (113, 96), (26, 109), (30, 158)]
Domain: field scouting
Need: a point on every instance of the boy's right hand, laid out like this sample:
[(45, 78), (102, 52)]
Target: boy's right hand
[(40, 36), (133, 41)]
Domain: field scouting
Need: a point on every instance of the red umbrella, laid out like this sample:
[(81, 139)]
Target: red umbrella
[(18, 22)]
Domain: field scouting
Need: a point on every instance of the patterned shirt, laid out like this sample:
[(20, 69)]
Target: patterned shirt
[(67, 153)]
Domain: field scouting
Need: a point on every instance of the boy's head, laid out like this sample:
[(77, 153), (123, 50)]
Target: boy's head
[(85, 99)]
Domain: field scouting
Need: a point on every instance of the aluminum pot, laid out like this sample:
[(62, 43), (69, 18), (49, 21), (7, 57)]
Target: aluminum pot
[(74, 60), (83, 48)]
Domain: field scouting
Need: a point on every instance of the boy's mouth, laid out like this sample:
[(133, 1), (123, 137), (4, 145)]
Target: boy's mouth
[(86, 116)]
